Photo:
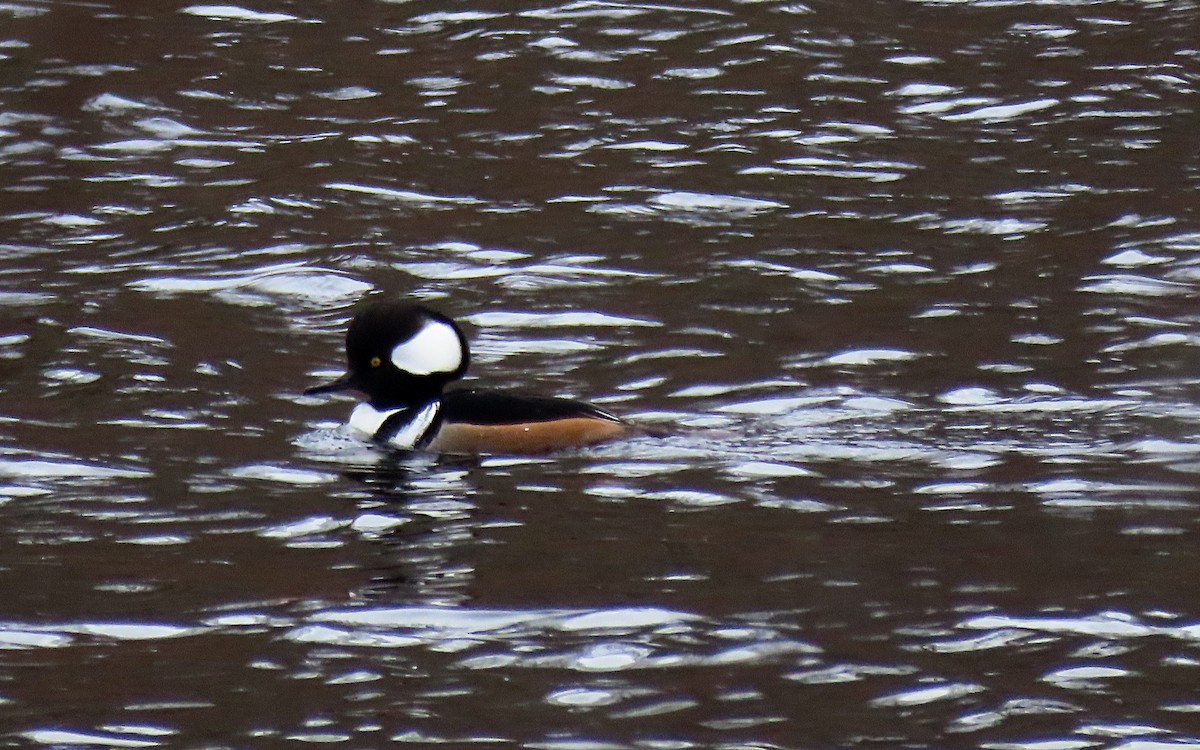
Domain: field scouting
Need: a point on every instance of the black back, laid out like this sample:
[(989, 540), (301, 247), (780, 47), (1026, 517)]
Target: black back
[(493, 407)]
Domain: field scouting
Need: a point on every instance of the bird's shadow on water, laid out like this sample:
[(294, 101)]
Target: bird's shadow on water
[(418, 514), (425, 513)]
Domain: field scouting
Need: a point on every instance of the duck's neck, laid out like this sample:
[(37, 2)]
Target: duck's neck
[(406, 395)]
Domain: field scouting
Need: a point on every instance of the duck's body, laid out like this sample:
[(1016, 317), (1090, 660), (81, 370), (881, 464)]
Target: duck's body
[(401, 356), (462, 421)]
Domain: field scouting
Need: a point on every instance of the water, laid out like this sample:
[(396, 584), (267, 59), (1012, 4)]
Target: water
[(910, 285)]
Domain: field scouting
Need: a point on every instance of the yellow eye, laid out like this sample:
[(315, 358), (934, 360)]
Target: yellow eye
[(376, 361)]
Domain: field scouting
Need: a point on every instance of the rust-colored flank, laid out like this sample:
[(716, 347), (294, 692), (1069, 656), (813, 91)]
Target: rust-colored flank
[(528, 437)]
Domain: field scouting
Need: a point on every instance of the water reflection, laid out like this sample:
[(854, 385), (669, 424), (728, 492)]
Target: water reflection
[(909, 288)]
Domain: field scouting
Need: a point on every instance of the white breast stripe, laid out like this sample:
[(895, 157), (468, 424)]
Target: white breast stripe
[(434, 348), (408, 435), (367, 420)]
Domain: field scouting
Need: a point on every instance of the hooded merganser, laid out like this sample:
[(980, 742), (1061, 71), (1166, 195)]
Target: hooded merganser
[(401, 356)]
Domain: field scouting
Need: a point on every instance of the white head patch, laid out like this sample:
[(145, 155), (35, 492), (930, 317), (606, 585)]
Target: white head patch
[(434, 348)]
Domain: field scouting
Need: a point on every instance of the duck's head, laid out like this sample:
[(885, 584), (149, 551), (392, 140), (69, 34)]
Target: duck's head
[(399, 353)]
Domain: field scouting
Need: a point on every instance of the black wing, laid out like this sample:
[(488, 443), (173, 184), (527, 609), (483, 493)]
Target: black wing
[(493, 407)]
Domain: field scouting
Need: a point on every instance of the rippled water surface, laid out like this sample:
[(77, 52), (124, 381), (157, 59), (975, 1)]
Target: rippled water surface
[(911, 286)]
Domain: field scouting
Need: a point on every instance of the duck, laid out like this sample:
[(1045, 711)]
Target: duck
[(401, 356)]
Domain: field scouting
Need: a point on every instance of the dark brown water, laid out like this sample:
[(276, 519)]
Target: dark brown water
[(913, 285)]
